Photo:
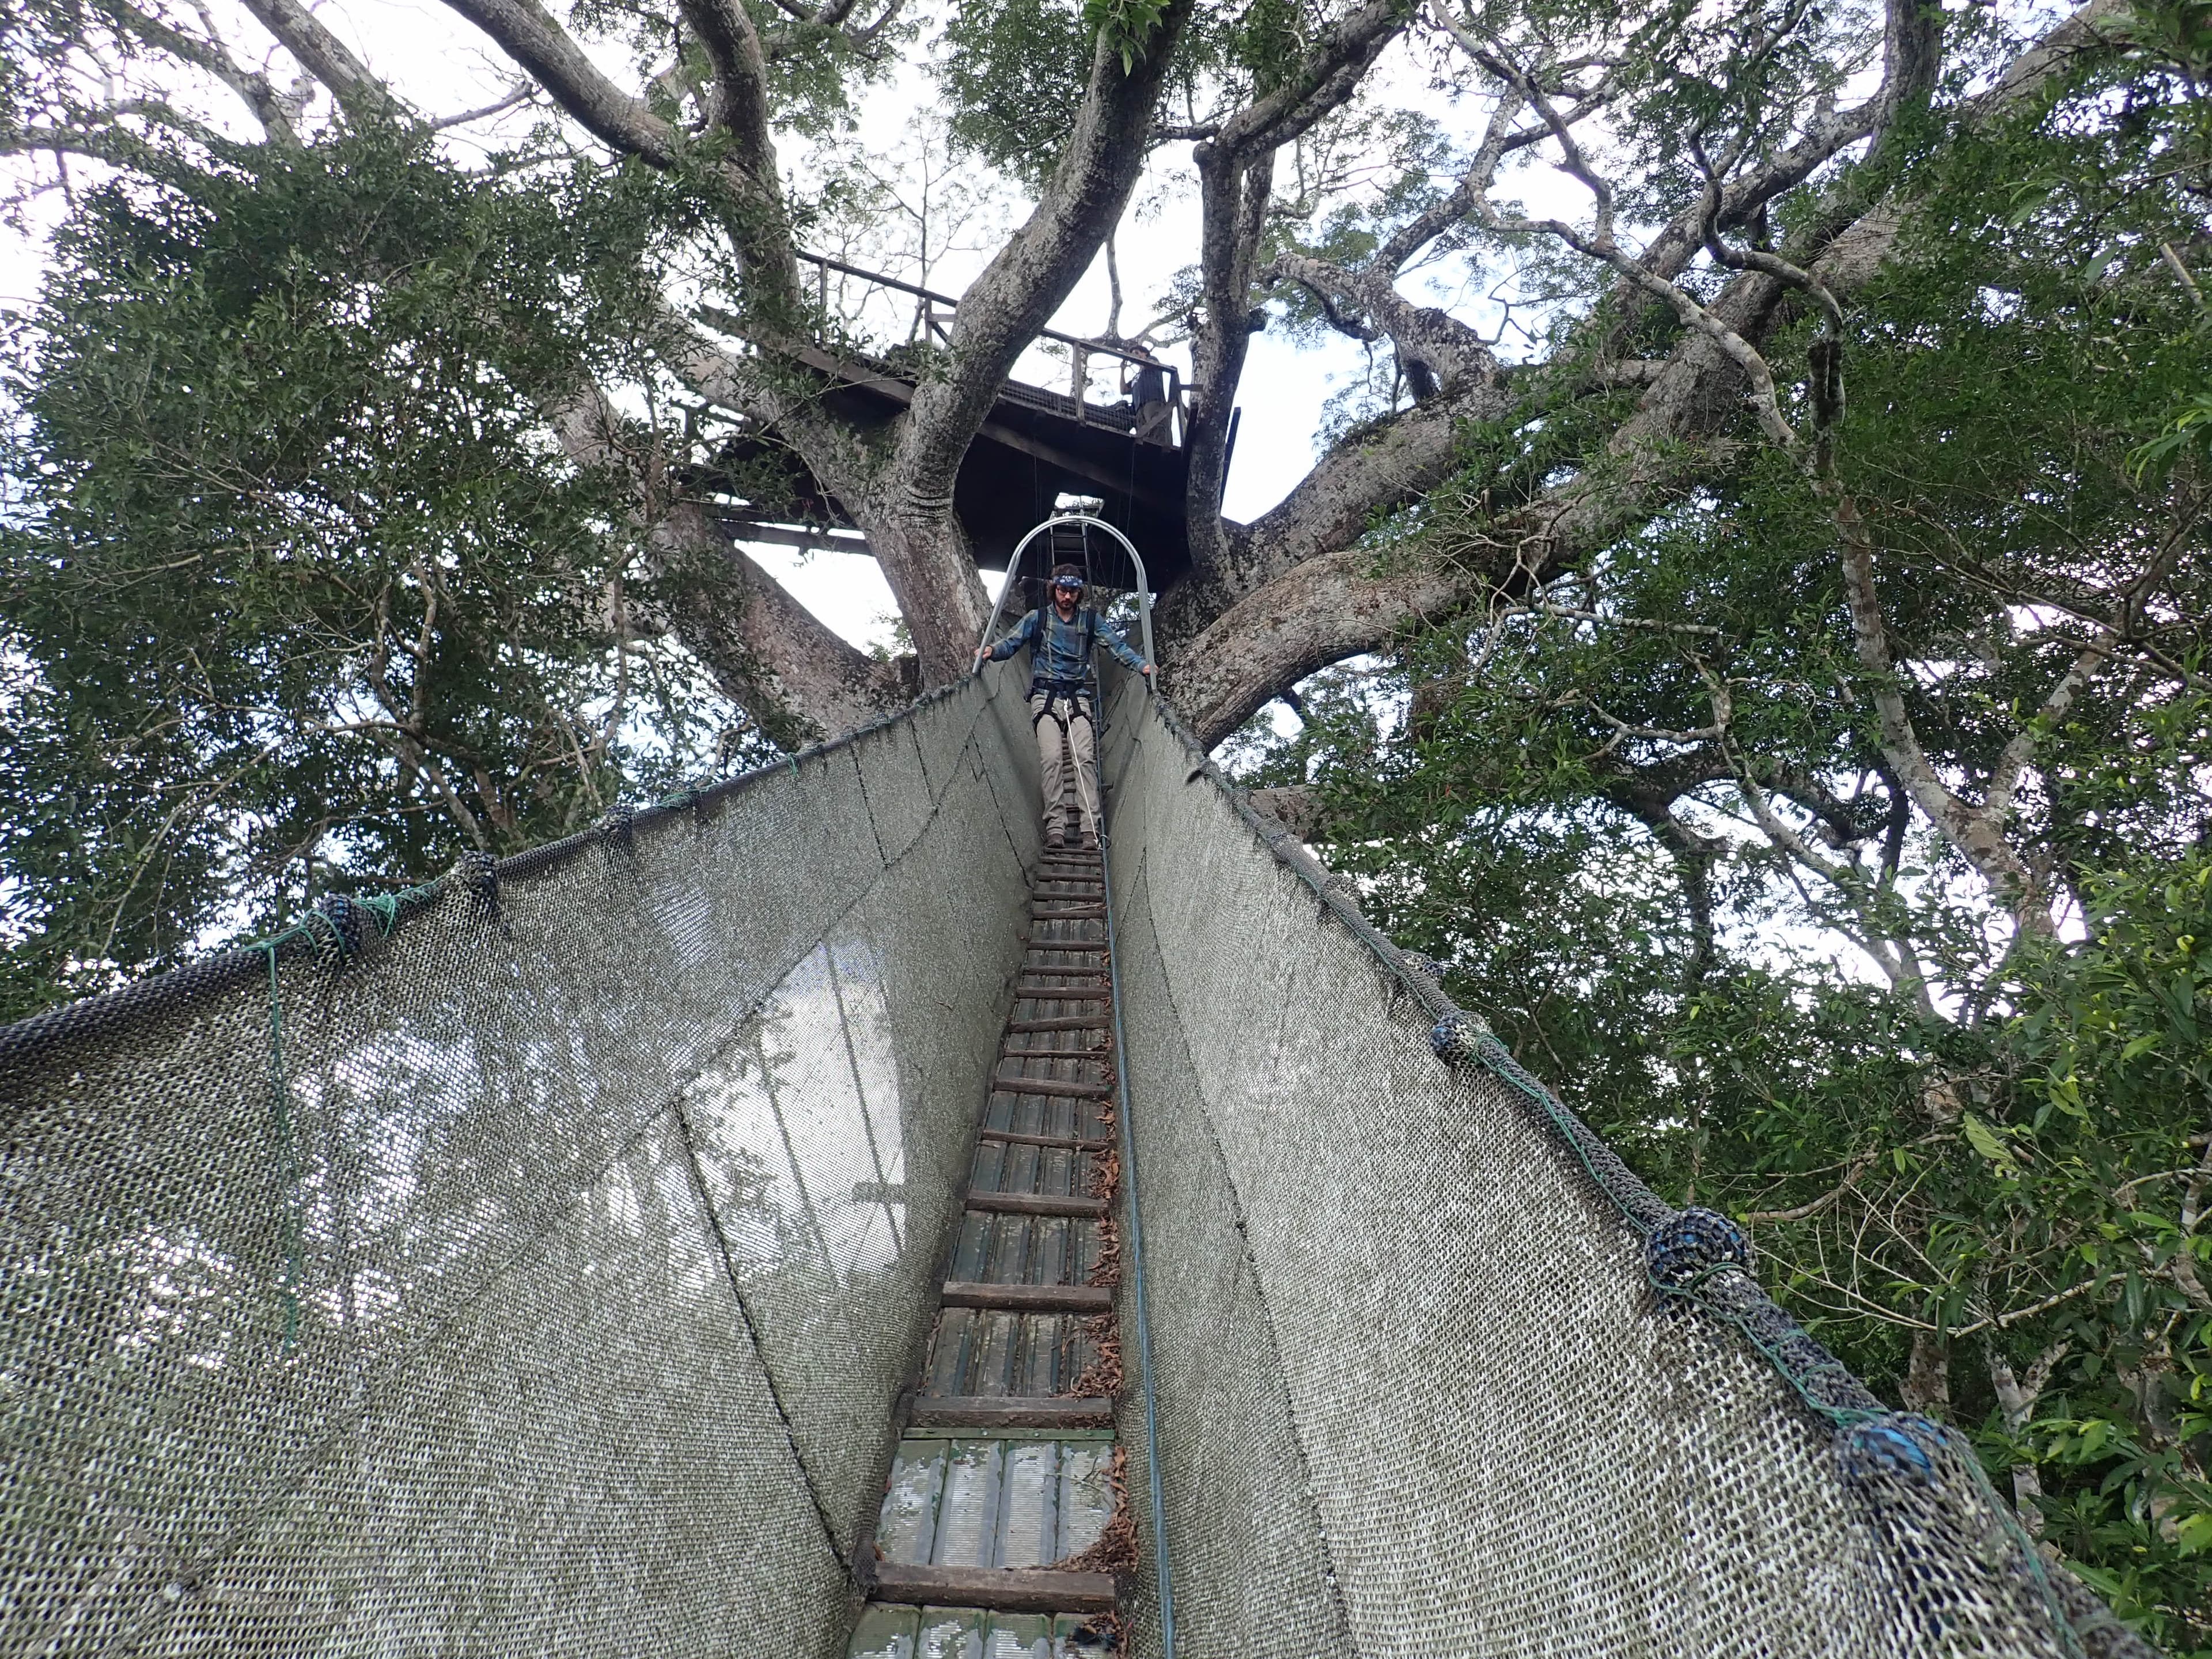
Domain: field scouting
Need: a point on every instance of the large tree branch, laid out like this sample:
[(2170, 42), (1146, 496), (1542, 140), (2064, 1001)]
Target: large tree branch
[(1237, 171), (768, 652), (739, 106), (1501, 138), (527, 33), (770, 391), (1322, 84), (1254, 627), (329, 59), (1233, 200), (1391, 464), (1453, 355), (1003, 310), (253, 88)]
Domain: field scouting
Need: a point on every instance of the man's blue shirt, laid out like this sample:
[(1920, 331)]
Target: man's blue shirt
[(1063, 649)]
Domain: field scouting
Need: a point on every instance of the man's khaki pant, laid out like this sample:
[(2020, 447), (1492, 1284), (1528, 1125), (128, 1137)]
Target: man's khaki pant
[(1063, 733)]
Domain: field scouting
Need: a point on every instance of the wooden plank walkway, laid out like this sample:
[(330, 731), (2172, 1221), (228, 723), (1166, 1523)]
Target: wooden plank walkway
[(1005, 1480)]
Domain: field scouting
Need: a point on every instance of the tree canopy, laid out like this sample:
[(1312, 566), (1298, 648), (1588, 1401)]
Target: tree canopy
[(1746, 621)]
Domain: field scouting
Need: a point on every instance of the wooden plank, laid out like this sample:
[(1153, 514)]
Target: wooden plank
[(1060, 1022), (1008, 1051), (1053, 1086), (1030, 1298), (1074, 913), (1012, 1412), (1035, 1204), (784, 535), (1002, 1589), (1076, 1143), (1069, 993)]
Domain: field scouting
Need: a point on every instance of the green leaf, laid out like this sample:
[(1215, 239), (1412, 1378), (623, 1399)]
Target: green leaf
[(1984, 1140)]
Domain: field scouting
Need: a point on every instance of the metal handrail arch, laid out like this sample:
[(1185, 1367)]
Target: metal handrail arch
[(1014, 566)]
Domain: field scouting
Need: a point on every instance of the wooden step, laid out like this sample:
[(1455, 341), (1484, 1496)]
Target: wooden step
[(1063, 971), (1035, 1204), (1004, 1589), (1060, 1022), (1053, 1086), (974, 1411), (1073, 1143), (1064, 993), (1030, 1298), (1008, 1051)]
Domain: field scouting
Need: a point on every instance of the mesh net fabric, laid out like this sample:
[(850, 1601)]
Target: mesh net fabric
[(543, 1276), (559, 1299), (1418, 1393)]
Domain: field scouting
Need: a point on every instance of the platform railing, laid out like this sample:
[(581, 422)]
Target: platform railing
[(1161, 420)]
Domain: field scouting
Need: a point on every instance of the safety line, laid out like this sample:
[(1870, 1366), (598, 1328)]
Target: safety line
[(1136, 1218)]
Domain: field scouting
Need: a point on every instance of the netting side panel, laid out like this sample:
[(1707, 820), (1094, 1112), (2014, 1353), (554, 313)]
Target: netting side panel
[(1510, 1449), (836, 1136), (436, 1347), (1251, 1572)]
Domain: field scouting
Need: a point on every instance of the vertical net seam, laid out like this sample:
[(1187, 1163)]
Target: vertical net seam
[(700, 1191), (868, 806)]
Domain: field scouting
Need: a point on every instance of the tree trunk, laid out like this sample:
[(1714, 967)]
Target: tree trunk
[(1927, 1376), (926, 558)]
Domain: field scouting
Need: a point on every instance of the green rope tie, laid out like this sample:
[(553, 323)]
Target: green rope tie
[(313, 927)]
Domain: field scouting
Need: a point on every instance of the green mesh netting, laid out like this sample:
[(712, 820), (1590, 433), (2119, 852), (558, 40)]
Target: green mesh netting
[(1416, 1394), (558, 1299), (533, 1266)]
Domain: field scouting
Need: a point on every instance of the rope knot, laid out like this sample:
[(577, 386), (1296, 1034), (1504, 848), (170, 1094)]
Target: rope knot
[(344, 917), (1458, 1037), (1692, 1247), (1895, 1446), (479, 874)]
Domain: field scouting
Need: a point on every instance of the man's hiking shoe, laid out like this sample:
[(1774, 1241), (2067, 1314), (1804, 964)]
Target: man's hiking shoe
[(1054, 840)]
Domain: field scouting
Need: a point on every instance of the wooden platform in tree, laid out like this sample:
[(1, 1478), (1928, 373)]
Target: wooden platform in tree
[(1036, 445)]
